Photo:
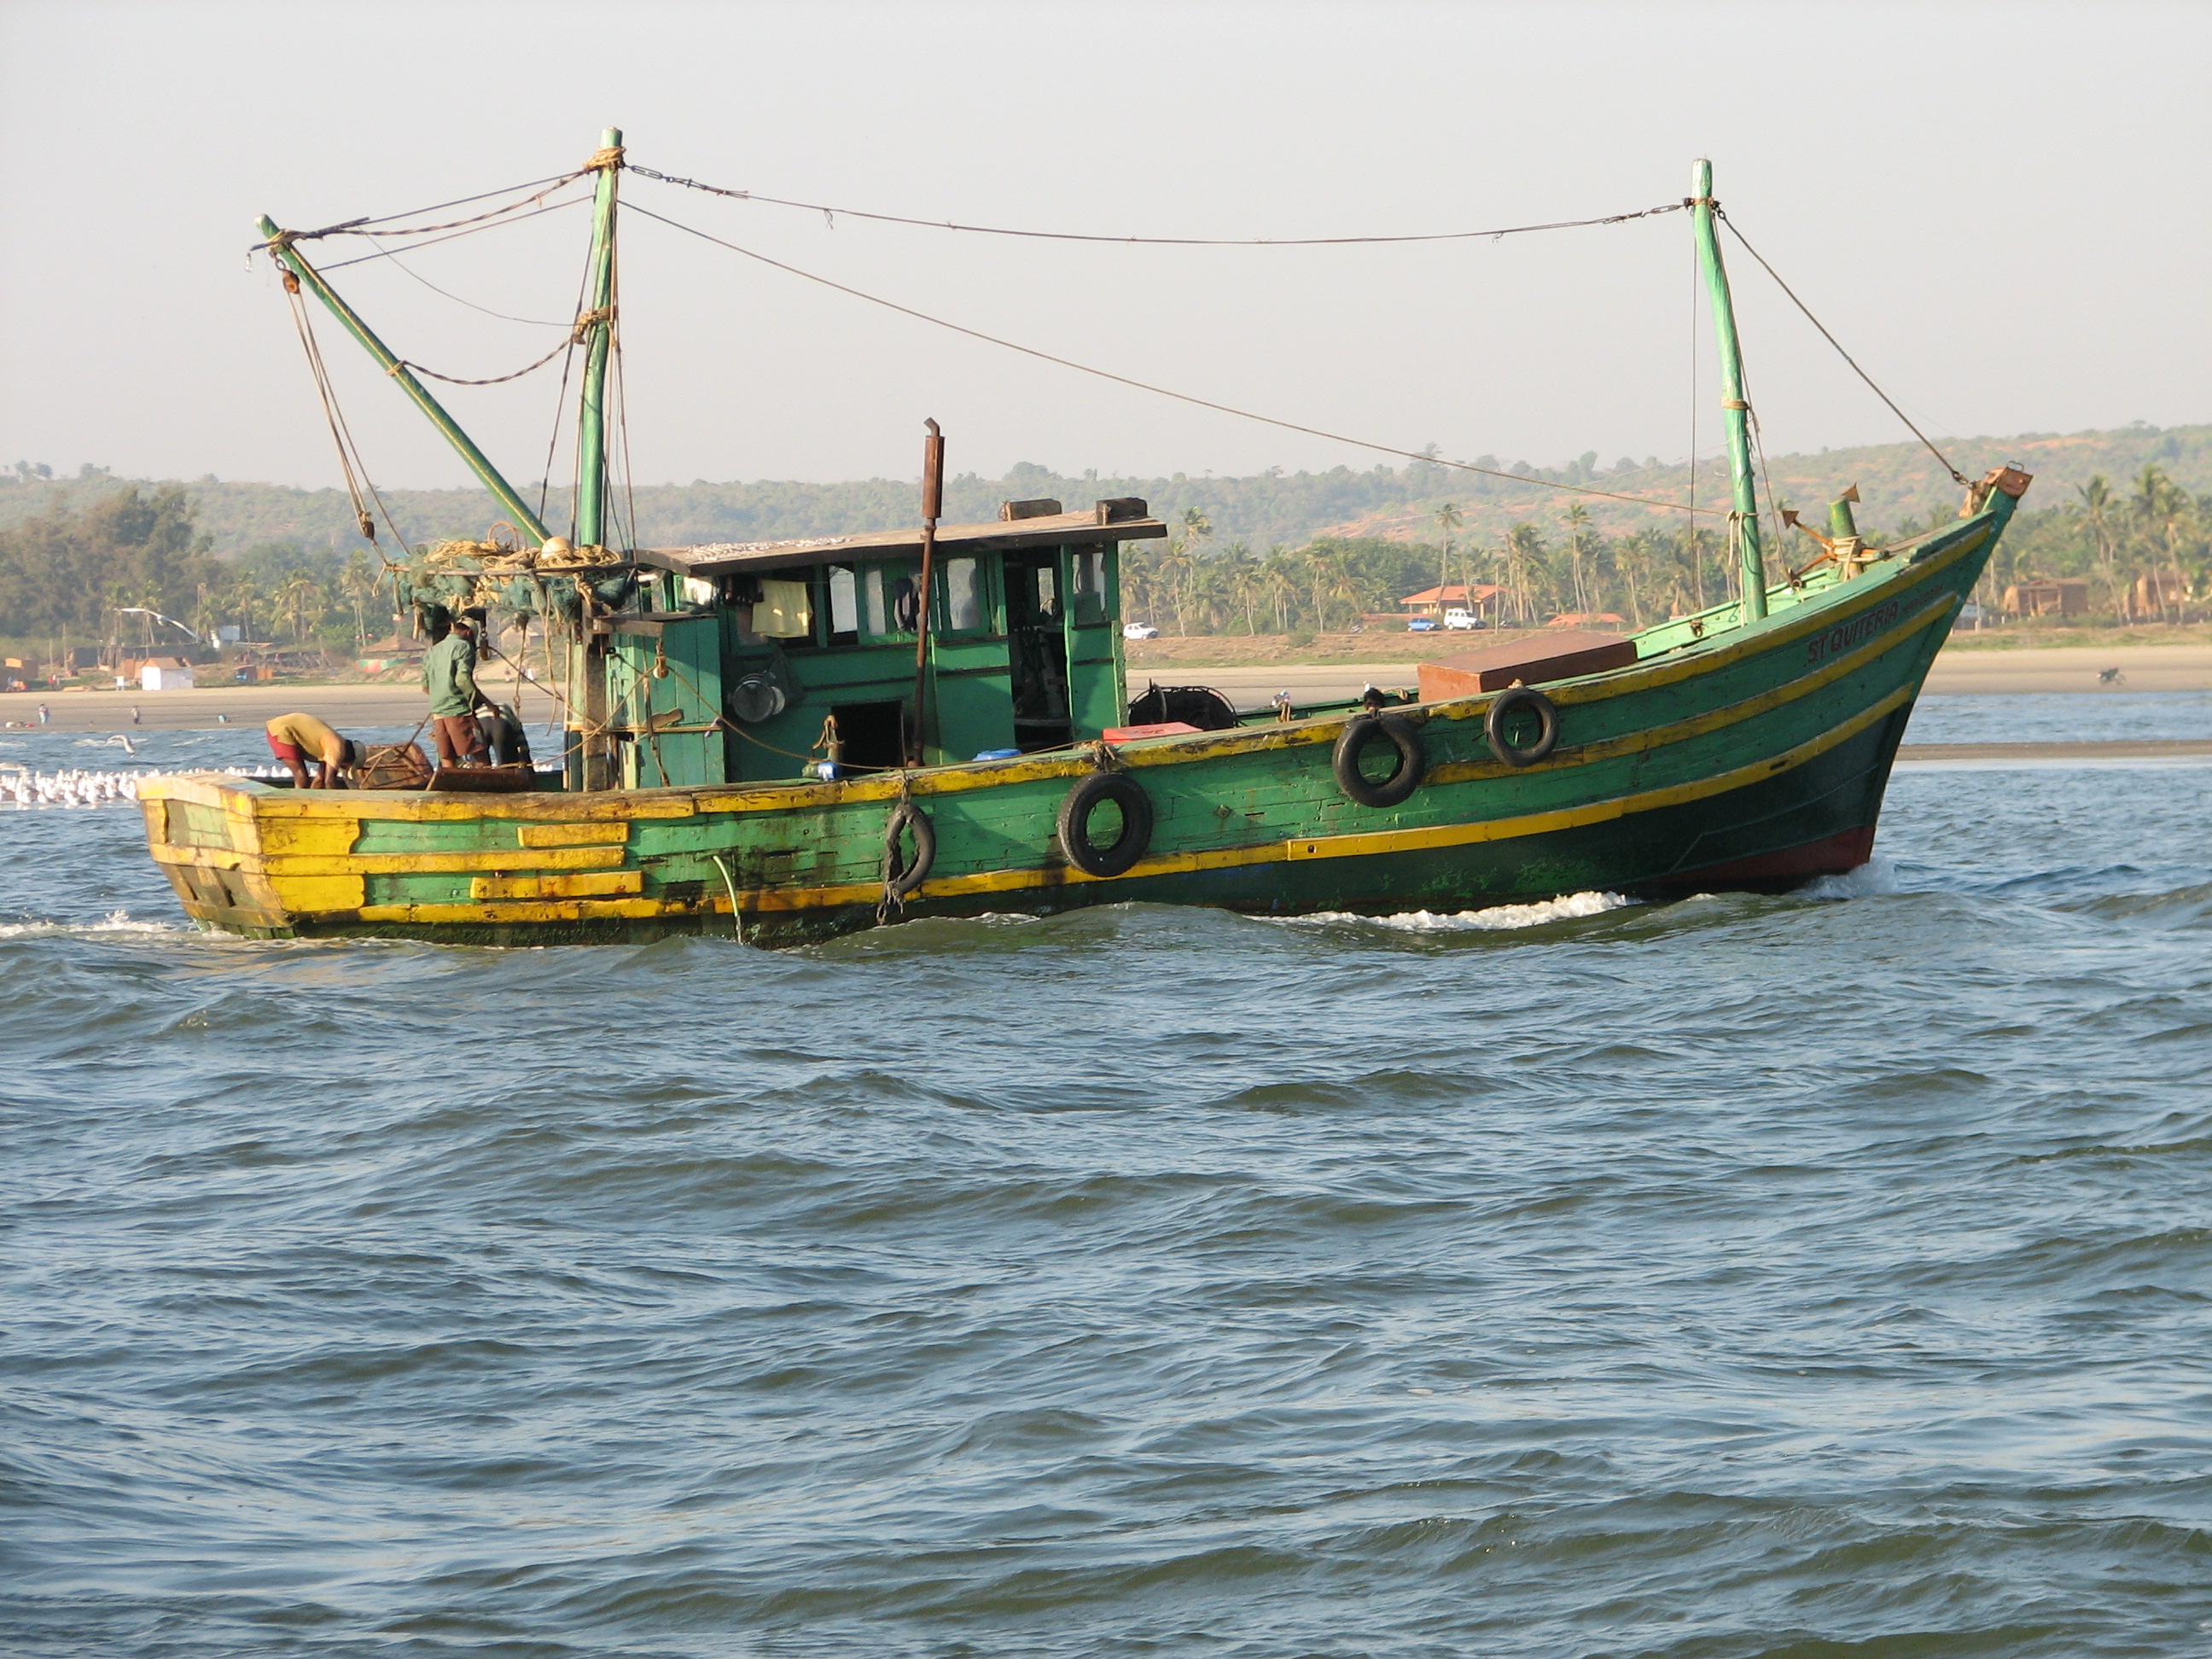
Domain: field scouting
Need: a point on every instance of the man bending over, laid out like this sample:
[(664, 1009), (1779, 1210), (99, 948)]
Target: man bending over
[(315, 755)]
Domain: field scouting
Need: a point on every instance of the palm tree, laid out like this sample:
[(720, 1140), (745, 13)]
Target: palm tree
[(1449, 518), (302, 597), (1279, 581), (1174, 568), (358, 581), (1577, 517), (1524, 545)]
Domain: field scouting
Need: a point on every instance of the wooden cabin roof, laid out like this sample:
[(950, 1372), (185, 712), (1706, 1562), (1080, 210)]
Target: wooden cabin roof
[(1100, 524)]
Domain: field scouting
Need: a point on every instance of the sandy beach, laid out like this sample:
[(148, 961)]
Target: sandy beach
[(2057, 668)]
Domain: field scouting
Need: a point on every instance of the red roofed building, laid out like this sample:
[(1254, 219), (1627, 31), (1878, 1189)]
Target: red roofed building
[(1435, 601)]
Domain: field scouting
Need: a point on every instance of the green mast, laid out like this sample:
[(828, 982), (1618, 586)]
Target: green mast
[(289, 258), (598, 326), (1735, 413)]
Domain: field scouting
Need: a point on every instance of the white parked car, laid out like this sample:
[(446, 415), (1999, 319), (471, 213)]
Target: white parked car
[(1459, 616), (1139, 631)]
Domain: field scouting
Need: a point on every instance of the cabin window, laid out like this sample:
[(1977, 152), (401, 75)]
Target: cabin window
[(887, 595), (785, 610), (844, 605), (1089, 569), (963, 596)]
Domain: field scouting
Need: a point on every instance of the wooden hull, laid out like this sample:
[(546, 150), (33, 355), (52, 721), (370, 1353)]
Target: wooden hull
[(1756, 757)]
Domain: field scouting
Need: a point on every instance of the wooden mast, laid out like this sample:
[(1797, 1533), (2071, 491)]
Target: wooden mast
[(597, 327), (1736, 412), (591, 748), (288, 257)]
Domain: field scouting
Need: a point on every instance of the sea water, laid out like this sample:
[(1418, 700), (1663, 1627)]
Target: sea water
[(1826, 1274)]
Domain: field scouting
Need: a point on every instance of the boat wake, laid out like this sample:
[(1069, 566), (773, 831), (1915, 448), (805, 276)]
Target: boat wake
[(115, 923), (1503, 918), (1877, 876)]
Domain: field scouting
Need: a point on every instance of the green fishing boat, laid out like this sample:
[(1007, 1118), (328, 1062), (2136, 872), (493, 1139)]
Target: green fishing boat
[(787, 740)]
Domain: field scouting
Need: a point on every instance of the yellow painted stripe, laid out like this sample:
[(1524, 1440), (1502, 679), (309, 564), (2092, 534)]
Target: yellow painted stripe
[(523, 860), (408, 807), (204, 858), (523, 911), (320, 894), (572, 835), (583, 884), (318, 835)]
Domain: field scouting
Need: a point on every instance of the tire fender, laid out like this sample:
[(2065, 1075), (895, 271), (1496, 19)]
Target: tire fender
[(901, 877), (1074, 824), (1547, 736), (1412, 763)]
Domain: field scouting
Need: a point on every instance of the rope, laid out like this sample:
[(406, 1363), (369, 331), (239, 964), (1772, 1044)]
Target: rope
[(1159, 391), (497, 379), (584, 323), (560, 398), (341, 433), (355, 227), (831, 213), (1958, 477), (362, 259), (459, 201), (535, 322)]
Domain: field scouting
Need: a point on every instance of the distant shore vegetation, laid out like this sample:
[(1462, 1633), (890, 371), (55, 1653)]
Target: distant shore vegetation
[(2127, 514)]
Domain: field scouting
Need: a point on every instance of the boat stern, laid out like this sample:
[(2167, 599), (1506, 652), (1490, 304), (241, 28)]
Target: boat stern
[(205, 832)]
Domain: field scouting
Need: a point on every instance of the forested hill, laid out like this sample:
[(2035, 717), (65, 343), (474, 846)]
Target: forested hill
[(1898, 481)]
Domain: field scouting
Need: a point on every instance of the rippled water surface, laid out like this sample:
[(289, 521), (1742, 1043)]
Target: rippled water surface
[(1817, 1275)]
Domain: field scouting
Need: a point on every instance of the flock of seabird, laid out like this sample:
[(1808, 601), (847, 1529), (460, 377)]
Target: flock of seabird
[(22, 787)]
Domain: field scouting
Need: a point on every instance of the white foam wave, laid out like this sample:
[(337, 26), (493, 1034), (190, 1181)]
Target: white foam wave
[(116, 921), (1498, 919), (1875, 877)]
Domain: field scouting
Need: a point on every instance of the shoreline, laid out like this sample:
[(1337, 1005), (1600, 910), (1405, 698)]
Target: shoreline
[(2024, 669)]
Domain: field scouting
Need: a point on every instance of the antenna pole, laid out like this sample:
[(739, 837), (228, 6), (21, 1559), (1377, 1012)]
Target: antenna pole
[(932, 507), (598, 326), (1735, 413)]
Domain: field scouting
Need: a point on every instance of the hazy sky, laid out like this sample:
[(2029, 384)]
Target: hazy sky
[(2002, 209)]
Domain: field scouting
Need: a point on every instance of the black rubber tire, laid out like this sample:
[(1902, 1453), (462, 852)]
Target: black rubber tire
[(900, 877), (1493, 725), (1412, 763), (1075, 824)]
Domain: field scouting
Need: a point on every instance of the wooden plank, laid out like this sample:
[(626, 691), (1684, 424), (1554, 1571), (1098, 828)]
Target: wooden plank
[(446, 864), (590, 885), (571, 834)]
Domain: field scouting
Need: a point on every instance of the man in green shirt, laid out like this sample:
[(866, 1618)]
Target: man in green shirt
[(449, 674)]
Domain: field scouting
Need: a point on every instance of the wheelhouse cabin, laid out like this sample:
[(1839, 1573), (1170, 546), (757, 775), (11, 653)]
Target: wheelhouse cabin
[(807, 648)]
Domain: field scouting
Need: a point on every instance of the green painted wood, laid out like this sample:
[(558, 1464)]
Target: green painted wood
[(1734, 414), (1266, 796), (599, 337), (290, 258)]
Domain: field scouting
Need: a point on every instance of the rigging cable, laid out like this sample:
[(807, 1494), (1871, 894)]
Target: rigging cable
[(355, 227), (831, 213), (535, 322), (561, 398), (1958, 477), (1159, 391), (341, 433), (554, 207)]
